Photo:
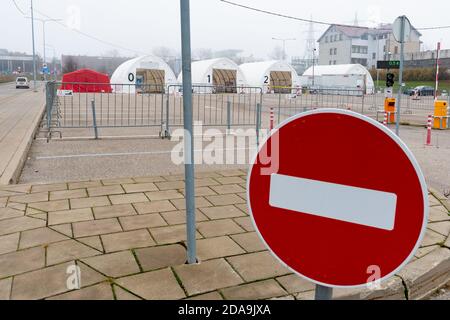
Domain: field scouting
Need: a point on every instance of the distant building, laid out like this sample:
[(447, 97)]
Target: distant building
[(301, 65), (13, 62), (362, 45), (425, 59)]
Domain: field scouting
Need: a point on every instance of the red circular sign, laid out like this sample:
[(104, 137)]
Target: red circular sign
[(338, 198)]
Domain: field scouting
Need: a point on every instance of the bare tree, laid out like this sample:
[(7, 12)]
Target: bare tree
[(277, 53), (164, 53), (112, 53), (202, 54), (69, 65)]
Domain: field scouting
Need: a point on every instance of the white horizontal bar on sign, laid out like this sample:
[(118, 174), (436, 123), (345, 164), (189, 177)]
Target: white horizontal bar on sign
[(365, 207)]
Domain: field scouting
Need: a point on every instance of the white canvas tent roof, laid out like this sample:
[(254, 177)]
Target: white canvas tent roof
[(122, 73), (255, 72)]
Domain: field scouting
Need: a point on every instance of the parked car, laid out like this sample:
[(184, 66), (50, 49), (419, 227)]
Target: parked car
[(22, 82), (424, 91)]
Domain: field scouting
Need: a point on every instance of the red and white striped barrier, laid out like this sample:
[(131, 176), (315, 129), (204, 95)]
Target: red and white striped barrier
[(272, 119), (429, 127), (385, 121)]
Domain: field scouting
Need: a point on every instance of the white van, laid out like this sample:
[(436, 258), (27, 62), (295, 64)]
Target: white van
[(22, 82)]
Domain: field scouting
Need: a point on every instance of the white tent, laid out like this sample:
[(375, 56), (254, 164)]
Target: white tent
[(270, 75), (221, 72), (343, 76), (142, 73)]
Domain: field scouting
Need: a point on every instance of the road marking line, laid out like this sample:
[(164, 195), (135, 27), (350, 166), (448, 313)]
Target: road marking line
[(365, 207)]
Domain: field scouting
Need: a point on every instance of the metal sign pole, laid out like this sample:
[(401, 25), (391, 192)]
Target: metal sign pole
[(402, 58), (188, 129), (323, 293), (34, 51)]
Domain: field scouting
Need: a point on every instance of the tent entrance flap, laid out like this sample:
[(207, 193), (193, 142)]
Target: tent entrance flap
[(225, 80), (281, 81), (150, 80)]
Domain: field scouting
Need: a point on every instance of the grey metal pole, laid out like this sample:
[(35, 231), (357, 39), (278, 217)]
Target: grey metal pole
[(188, 127), (323, 293), (94, 119), (45, 56), (34, 49), (228, 116), (400, 91)]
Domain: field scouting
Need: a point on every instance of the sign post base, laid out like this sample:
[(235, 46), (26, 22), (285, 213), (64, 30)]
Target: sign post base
[(323, 293)]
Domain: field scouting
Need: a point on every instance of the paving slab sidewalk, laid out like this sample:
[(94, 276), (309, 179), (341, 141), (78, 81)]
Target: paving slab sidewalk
[(127, 240)]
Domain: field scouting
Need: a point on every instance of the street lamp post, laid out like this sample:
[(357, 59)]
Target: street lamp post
[(284, 45), (44, 21), (34, 50), (313, 67)]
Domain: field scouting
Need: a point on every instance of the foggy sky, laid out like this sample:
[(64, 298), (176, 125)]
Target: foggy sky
[(142, 25)]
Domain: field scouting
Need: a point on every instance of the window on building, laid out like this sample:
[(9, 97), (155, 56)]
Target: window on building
[(334, 62), (341, 37), (335, 37), (331, 62), (374, 56), (335, 51), (365, 37), (331, 51), (396, 50), (326, 39)]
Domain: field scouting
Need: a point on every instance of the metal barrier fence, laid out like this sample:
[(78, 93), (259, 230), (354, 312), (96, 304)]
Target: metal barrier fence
[(214, 106), (88, 105)]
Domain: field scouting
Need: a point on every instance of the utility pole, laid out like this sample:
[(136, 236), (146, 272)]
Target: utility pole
[(284, 45), (34, 51), (313, 67)]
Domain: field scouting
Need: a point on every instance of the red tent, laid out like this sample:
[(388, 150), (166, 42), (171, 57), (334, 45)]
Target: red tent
[(86, 80)]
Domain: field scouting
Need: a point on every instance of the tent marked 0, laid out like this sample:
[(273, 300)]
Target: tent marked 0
[(145, 74)]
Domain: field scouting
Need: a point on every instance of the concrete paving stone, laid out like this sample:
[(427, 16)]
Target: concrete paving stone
[(225, 200), (105, 191), (213, 248), (3, 202), (5, 289), (17, 206), (67, 251), (433, 201), (65, 229), (40, 237), (170, 185), (154, 207), (161, 257), (205, 182), (219, 228), (201, 192), (9, 243), (48, 187), (8, 213), (422, 252), (255, 291), (92, 202), (30, 211), (230, 180), (212, 296), (257, 266), (102, 292), (121, 210), (127, 240), (140, 187), (170, 235), (439, 214), (68, 194), (447, 243), (70, 216), (437, 194), (285, 298), (232, 173), (179, 217), (30, 198), (41, 216), (424, 275), (391, 289), (93, 242), (243, 207), (175, 177), (128, 198), (5, 194), (200, 202), (89, 276), (84, 185), (115, 264), (155, 285), (20, 224), (309, 295), (207, 174), (442, 228), (295, 284), (249, 241), (21, 188), (164, 195), (228, 189), (432, 238), (207, 276), (110, 182), (123, 295), (21, 261), (42, 283), (49, 206), (148, 179), (142, 221), (225, 212), (243, 195), (96, 228)]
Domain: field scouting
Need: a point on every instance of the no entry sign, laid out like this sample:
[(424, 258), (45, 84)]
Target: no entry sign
[(337, 197)]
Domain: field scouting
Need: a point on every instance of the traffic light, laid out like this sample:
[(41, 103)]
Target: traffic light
[(390, 80)]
